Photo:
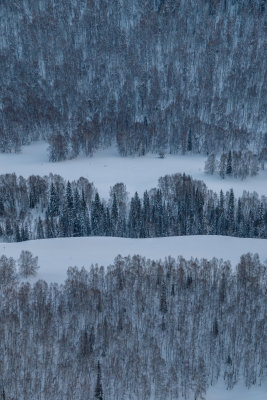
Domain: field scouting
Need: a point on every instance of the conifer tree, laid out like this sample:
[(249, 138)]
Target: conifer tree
[(221, 215), (98, 388), (108, 228), (231, 213), (17, 233), (189, 142), (53, 202), (32, 200), (261, 224), (135, 223), (97, 216), (77, 229), (2, 209), (222, 166), (40, 229), (114, 216), (69, 196), (8, 228), (67, 214), (215, 328), (229, 168)]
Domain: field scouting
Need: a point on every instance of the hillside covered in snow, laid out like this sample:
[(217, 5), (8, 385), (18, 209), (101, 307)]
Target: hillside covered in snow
[(133, 200)]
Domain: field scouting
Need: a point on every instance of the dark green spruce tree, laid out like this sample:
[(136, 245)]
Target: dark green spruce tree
[(53, 202), (2, 208), (114, 216), (98, 388), (97, 216), (229, 168), (231, 214)]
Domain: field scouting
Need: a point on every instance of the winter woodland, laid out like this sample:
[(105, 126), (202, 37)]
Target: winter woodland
[(161, 78)]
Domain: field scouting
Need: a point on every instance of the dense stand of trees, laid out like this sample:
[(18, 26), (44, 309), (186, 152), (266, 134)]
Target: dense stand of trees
[(49, 207), (236, 164), (141, 329), (162, 75)]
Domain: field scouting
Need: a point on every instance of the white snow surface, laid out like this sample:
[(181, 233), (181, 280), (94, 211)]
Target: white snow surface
[(239, 392), (107, 168), (56, 255)]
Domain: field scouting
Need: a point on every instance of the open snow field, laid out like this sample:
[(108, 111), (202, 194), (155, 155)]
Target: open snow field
[(239, 392), (107, 168), (56, 255)]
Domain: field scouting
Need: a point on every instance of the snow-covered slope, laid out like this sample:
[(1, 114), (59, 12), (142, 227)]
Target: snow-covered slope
[(106, 168), (56, 255)]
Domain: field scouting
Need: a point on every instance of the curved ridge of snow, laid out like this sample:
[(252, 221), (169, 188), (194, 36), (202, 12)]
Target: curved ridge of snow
[(56, 255)]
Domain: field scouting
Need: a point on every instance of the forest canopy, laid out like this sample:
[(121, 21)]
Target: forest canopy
[(162, 76), (140, 329), (49, 207)]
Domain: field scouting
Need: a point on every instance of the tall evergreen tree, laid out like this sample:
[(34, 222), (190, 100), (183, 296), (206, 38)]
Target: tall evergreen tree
[(53, 202), (231, 213), (69, 196), (98, 388), (189, 142), (97, 216), (2, 208), (146, 220), (114, 216), (17, 233), (40, 229), (135, 216), (229, 168)]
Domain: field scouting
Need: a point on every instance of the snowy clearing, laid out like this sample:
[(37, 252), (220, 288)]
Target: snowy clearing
[(219, 392), (107, 168), (56, 255)]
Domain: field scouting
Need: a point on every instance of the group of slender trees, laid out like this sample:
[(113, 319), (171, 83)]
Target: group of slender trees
[(236, 164), (140, 329), (12, 270), (162, 76), (49, 207)]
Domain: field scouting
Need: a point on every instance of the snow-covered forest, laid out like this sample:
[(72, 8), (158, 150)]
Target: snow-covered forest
[(162, 76), (139, 330), (133, 200), (49, 207)]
